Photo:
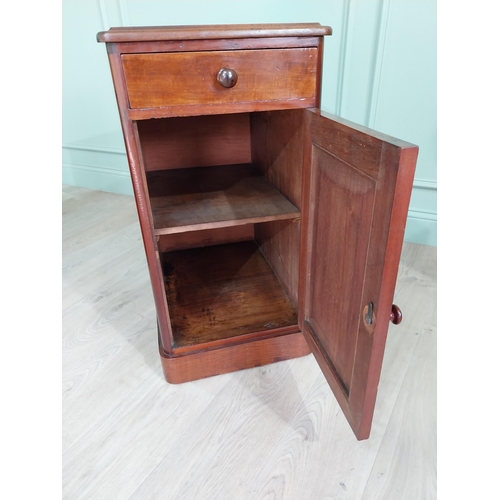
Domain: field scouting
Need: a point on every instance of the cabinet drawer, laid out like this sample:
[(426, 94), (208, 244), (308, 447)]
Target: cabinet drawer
[(190, 78)]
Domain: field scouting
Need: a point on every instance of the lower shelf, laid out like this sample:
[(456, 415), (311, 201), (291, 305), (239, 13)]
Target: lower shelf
[(224, 292), (232, 358)]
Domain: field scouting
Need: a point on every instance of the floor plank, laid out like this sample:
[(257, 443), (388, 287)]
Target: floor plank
[(274, 432), (405, 466), (223, 450), (323, 459), (118, 453)]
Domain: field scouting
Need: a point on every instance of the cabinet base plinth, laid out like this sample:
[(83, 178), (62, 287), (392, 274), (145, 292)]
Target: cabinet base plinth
[(232, 358)]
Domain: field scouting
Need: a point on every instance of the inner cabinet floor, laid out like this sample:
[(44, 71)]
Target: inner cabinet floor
[(223, 291)]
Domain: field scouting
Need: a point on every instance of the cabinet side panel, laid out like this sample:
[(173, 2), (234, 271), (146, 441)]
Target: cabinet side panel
[(137, 173), (195, 141), (277, 150), (279, 243)]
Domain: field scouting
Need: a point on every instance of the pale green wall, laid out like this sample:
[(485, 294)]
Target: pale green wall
[(379, 70)]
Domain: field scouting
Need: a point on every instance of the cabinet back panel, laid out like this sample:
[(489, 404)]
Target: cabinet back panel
[(195, 141), (205, 237)]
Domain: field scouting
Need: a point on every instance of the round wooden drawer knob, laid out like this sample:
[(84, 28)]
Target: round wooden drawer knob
[(227, 77), (396, 314)]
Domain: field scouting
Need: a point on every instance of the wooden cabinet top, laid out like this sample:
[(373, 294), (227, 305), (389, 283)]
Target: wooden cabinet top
[(214, 31)]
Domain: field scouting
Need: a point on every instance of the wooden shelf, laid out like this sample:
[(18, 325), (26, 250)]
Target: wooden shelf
[(213, 197), (223, 291)]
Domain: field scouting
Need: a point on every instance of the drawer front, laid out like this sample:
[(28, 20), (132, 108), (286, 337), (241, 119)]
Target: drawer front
[(190, 78)]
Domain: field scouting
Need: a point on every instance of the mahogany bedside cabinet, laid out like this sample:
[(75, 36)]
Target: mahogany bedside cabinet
[(271, 228)]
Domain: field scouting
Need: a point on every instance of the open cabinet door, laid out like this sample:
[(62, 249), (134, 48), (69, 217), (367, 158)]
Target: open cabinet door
[(357, 190)]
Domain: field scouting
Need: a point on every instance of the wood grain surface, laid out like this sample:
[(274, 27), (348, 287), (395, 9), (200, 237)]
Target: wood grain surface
[(270, 432), (190, 78), (360, 187)]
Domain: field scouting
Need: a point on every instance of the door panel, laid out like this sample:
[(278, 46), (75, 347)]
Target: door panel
[(359, 185), (342, 215)]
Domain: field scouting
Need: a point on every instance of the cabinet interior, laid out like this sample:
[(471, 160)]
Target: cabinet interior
[(225, 194)]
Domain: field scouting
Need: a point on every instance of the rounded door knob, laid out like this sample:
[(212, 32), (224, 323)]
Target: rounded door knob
[(396, 314), (227, 77)]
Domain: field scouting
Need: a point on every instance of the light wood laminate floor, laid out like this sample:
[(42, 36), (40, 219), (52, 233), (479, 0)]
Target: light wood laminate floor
[(274, 432)]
